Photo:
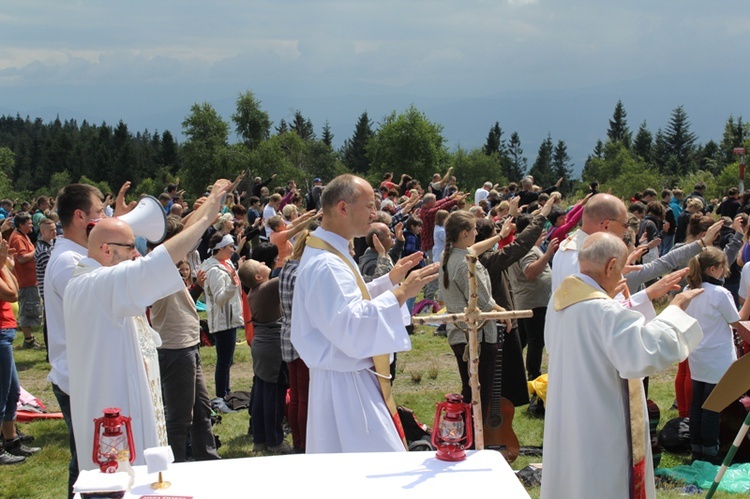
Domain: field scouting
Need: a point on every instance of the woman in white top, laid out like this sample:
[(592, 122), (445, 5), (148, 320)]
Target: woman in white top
[(716, 313)]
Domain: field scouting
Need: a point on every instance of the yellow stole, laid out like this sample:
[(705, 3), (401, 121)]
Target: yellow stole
[(381, 362), (573, 290)]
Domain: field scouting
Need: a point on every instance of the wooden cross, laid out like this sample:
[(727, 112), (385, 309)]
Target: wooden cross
[(475, 320)]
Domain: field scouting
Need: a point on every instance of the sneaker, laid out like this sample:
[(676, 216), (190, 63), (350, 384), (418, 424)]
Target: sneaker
[(31, 343), (16, 448), (282, 448), (23, 437), (6, 458), (259, 447)]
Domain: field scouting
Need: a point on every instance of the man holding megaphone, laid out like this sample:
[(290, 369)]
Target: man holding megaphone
[(112, 354)]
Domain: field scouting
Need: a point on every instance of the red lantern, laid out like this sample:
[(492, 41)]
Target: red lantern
[(452, 431), (112, 445)]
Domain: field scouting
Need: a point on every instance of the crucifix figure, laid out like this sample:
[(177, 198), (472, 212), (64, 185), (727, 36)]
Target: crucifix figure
[(475, 320)]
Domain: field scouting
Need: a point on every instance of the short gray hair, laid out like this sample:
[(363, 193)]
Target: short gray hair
[(600, 248)]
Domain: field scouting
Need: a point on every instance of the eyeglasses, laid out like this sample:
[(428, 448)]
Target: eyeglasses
[(623, 224), (130, 246)]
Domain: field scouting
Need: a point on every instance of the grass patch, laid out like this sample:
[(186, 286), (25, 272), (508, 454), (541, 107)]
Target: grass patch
[(45, 475)]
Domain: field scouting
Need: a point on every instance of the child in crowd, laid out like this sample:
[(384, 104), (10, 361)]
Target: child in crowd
[(271, 376), (715, 311)]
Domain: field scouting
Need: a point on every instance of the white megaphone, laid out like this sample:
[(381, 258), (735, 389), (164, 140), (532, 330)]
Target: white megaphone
[(147, 219)]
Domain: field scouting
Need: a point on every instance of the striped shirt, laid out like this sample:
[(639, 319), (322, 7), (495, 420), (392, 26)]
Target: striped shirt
[(41, 254), (287, 279)]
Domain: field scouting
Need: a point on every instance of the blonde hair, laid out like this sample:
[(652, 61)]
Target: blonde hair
[(300, 245), (700, 263), (225, 217), (288, 210), (694, 203)]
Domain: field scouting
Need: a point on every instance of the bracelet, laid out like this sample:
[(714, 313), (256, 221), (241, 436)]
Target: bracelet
[(703, 243)]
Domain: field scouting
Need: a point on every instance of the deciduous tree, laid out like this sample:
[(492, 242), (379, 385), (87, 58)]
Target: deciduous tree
[(252, 123), (408, 142)]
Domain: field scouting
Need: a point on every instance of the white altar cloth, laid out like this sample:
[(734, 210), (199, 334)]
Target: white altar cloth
[(363, 475)]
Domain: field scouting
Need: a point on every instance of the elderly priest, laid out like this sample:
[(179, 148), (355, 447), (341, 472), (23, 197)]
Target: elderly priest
[(596, 436)]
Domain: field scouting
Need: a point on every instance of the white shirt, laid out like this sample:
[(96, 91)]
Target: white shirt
[(64, 258), (480, 194), (565, 263), (714, 310), (268, 212), (438, 235), (744, 281)]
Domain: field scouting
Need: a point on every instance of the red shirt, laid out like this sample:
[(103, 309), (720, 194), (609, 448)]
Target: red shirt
[(7, 319), (24, 272), (427, 216)]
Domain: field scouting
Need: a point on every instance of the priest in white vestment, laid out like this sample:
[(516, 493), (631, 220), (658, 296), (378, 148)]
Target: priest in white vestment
[(606, 213), (595, 345), (111, 351), (337, 332)]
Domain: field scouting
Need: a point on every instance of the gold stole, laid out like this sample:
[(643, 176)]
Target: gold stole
[(381, 362), (573, 290)]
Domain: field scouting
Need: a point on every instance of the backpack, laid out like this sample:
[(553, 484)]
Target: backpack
[(207, 339), (417, 434), (675, 436)]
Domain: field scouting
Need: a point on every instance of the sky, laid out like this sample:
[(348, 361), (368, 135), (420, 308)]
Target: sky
[(538, 67)]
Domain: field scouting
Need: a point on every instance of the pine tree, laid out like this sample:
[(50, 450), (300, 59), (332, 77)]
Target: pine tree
[(680, 141), (354, 152), (327, 137), (618, 126), (561, 165), (302, 126), (517, 161), (542, 168), (660, 152), (169, 152), (495, 143), (643, 143), (599, 149), (709, 157), (734, 136), (282, 128)]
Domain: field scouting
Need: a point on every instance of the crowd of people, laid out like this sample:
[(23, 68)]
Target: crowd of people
[(324, 286)]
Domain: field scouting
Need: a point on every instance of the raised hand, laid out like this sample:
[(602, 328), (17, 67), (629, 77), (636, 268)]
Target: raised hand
[(121, 207), (552, 246), (513, 206), (636, 254), (403, 266), (670, 282), (683, 299), (507, 227), (3, 252), (200, 277), (713, 232), (418, 278), (379, 249), (399, 231)]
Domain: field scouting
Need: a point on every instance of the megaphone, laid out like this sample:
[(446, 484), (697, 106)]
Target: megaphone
[(147, 219)]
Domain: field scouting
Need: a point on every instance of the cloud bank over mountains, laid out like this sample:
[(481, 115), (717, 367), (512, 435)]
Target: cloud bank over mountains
[(535, 66)]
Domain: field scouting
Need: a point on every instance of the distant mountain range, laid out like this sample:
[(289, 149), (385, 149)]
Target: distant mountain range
[(579, 116)]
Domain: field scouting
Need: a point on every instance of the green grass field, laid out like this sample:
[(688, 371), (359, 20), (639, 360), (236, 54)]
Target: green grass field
[(424, 376)]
